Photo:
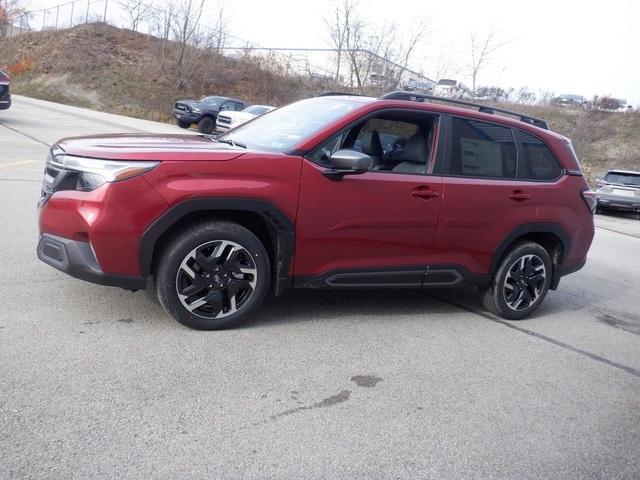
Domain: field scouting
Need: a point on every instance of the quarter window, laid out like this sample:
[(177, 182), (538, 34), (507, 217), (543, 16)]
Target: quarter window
[(481, 149), (538, 162)]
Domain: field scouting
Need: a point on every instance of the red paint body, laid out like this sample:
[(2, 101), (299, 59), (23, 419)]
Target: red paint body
[(372, 220)]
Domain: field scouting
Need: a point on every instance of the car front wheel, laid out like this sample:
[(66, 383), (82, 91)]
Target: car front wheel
[(206, 125), (213, 276), (520, 283)]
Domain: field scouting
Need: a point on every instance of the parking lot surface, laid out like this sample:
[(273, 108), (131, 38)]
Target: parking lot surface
[(97, 382)]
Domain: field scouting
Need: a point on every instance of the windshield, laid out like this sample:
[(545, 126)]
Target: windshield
[(447, 83), (279, 130), (623, 178), (213, 100), (256, 109)]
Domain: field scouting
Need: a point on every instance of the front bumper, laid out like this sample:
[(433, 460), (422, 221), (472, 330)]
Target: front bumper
[(618, 202), (77, 259), (185, 116)]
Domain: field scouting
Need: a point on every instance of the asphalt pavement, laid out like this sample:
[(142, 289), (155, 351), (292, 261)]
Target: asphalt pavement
[(97, 382)]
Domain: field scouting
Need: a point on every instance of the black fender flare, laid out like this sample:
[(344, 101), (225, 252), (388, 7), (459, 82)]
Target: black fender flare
[(281, 229), (524, 229)]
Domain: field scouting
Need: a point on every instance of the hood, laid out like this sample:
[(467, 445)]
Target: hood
[(238, 116), (199, 104), (150, 147)]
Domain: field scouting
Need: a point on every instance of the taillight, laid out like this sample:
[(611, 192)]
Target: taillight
[(590, 199)]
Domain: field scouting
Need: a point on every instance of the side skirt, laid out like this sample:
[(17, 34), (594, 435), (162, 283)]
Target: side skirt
[(437, 276)]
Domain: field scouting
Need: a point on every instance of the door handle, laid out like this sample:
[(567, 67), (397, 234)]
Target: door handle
[(519, 195), (424, 192)]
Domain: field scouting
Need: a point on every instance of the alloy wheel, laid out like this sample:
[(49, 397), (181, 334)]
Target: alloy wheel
[(216, 279), (524, 282)]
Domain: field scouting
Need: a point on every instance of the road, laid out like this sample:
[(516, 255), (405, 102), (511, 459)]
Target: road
[(97, 382)]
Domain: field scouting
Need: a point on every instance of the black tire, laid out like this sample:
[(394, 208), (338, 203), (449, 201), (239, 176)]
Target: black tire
[(183, 124), (524, 286), (201, 238), (206, 125)]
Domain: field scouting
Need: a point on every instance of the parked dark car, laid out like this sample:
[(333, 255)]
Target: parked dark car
[(5, 95), (312, 196), (619, 190), (204, 112)]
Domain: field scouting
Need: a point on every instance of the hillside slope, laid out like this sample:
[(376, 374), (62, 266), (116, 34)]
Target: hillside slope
[(116, 70), (120, 71)]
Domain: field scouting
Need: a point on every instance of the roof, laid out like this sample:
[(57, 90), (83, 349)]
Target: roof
[(630, 172)]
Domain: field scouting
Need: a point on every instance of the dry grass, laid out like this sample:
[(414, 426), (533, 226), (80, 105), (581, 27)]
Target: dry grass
[(119, 71)]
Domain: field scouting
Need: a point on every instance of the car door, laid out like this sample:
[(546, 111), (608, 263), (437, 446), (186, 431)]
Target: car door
[(483, 202), (369, 229)]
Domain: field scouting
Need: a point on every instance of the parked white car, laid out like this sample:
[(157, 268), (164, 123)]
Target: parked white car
[(230, 119), (451, 88)]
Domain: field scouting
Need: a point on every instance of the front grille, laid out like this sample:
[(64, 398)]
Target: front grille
[(223, 119), (182, 106), (56, 177), (4, 89)]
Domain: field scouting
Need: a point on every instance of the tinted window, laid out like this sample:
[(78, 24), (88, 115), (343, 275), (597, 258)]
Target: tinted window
[(623, 178), (538, 163), (480, 149)]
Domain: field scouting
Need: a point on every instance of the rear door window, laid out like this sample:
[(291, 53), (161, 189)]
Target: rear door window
[(538, 163), (481, 149)]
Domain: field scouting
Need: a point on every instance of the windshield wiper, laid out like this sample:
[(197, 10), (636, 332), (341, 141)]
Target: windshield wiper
[(231, 142)]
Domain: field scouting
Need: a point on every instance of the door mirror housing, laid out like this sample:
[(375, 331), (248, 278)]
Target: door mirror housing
[(347, 162)]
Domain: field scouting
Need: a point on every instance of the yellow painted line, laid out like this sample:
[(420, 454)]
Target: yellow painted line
[(15, 164)]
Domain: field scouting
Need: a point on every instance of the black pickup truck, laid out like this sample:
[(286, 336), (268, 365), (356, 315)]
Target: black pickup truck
[(204, 112), (5, 96)]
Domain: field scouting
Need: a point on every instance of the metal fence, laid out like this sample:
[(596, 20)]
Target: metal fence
[(319, 65)]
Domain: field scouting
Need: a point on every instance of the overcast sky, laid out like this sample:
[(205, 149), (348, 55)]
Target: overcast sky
[(561, 46)]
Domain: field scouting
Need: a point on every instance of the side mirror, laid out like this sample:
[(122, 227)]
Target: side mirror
[(347, 162)]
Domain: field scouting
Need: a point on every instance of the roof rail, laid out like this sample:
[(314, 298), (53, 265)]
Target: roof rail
[(419, 97), (334, 94)]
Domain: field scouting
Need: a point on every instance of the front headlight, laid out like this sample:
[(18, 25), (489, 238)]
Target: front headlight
[(93, 172), (196, 110)]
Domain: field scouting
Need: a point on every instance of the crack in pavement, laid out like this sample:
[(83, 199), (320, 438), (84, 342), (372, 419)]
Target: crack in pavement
[(633, 371), (25, 134)]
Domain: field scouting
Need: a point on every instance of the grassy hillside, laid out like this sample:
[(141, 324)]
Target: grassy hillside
[(119, 71), (115, 70)]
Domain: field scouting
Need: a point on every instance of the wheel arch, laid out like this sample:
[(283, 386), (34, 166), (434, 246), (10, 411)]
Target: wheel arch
[(273, 228), (551, 236)]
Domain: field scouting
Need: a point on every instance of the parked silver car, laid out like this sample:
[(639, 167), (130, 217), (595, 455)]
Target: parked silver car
[(619, 190)]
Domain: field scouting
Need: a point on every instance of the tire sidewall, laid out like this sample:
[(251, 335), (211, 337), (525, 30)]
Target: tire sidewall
[(501, 273), (183, 244), (206, 125)]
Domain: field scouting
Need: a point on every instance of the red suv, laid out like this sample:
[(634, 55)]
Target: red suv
[(329, 192)]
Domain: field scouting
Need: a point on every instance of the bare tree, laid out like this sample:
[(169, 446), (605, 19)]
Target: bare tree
[(137, 11), (185, 25), (376, 56), (10, 10), (161, 22), (337, 27), (223, 21), (481, 52)]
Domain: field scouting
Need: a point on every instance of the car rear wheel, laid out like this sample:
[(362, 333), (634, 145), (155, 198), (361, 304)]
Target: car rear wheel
[(520, 283), (183, 124), (213, 276), (206, 125)]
